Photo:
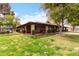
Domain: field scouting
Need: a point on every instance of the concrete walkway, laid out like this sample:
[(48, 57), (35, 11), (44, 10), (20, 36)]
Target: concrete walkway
[(71, 33)]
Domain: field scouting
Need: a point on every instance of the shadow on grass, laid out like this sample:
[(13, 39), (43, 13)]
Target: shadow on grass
[(74, 38), (42, 35)]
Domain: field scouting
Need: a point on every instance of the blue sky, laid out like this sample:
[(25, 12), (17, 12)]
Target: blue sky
[(29, 12), (26, 8)]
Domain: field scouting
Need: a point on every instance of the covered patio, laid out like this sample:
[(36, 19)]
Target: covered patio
[(37, 28)]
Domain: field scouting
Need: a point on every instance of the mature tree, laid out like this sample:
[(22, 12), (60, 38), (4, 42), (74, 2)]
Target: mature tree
[(1, 21), (56, 12), (8, 21), (73, 18), (11, 21), (16, 22), (5, 8), (61, 11)]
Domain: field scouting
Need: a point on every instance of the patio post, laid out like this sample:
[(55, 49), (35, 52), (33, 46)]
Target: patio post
[(46, 29), (32, 29)]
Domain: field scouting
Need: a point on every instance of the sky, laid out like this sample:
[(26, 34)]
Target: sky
[(29, 12)]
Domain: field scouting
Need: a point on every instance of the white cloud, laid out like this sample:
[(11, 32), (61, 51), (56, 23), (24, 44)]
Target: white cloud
[(38, 17)]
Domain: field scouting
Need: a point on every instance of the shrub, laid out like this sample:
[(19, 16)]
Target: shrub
[(33, 32)]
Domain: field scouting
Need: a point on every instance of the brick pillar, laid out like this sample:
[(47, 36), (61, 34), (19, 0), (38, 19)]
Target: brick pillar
[(46, 29), (32, 28)]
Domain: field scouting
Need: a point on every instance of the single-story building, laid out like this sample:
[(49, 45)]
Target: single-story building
[(37, 28)]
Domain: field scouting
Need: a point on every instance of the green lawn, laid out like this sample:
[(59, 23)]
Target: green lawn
[(17, 44)]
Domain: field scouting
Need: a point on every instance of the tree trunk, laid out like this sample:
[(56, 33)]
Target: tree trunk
[(73, 28), (61, 27), (0, 28), (62, 21)]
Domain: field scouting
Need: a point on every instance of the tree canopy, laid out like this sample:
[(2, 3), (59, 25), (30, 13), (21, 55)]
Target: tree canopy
[(61, 11)]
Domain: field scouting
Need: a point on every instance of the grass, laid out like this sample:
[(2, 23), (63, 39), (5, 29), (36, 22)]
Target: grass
[(17, 44)]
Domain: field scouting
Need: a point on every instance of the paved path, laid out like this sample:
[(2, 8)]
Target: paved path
[(71, 33)]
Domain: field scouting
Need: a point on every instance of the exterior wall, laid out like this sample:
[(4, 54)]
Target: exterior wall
[(28, 29), (40, 28), (70, 29)]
